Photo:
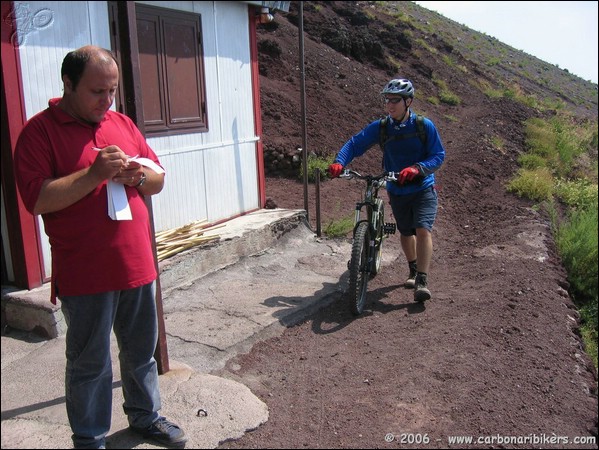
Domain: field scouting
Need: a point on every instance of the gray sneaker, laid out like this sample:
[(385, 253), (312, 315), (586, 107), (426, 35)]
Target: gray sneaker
[(421, 292), (164, 432)]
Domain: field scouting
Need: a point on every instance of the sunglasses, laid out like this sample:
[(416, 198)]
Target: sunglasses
[(393, 100)]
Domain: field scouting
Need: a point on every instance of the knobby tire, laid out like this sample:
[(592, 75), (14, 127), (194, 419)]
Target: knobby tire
[(378, 248), (358, 269)]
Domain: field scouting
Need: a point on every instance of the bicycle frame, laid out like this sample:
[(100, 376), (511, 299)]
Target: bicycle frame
[(372, 203), (370, 198), (368, 234)]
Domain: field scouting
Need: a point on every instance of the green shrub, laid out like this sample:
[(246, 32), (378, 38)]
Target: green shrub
[(533, 184), (540, 139), (493, 61), (445, 95), (426, 46), (588, 314), (493, 93), (498, 143), (339, 228), (577, 194), (531, 162), (449, 98), (313, 163), (577, 243), (448, 61)]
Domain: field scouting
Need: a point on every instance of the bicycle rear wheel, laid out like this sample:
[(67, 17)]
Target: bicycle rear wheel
[(359, 270)]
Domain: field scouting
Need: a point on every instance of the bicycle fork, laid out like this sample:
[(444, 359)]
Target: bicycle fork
[(366, 266)]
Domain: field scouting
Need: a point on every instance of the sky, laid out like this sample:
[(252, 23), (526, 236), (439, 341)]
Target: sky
[(560, 33)]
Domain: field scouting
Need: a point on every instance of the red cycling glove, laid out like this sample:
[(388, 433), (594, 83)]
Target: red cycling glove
[(335, 170), (408, 174)]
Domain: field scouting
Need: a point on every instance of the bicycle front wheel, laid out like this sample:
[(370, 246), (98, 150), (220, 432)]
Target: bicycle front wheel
[(378, 242), (359, 270)]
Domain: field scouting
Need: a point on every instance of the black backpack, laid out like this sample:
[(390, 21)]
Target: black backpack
[(420, 132)]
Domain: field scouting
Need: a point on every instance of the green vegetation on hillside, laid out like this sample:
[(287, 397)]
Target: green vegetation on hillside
[(559, 170)]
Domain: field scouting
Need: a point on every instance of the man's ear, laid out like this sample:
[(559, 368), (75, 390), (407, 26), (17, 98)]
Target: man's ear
[(68, 85)]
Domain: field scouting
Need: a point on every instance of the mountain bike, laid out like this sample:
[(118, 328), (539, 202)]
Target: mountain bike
[(369, 231)]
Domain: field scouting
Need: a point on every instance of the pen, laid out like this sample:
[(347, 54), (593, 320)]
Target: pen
[(131, 158)]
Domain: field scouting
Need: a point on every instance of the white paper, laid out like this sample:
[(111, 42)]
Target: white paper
[(118, 204), (147, 162)]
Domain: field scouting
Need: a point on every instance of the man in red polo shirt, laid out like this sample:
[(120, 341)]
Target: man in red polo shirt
[(103, 269)]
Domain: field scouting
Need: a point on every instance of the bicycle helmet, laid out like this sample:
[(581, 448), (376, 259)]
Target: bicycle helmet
[(401, 86)]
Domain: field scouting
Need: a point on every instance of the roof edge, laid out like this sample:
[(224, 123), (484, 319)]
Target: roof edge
[(273, 6)]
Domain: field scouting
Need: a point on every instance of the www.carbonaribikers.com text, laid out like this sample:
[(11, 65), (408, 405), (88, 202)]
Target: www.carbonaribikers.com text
[(496, 439), (532, 439)]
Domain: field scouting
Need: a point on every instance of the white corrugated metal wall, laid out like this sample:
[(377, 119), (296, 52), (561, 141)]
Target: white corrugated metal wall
[(210, 176), (213, 175)]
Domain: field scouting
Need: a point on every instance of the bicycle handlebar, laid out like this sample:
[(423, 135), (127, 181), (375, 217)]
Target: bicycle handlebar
[(387, 176)]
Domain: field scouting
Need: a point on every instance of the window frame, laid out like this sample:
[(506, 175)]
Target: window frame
[(163, 119)]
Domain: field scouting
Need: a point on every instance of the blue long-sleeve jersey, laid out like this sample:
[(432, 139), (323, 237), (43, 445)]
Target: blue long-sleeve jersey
[(400, 154)]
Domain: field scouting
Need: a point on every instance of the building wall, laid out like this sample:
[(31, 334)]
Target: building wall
[(213, 175), (210, 176)]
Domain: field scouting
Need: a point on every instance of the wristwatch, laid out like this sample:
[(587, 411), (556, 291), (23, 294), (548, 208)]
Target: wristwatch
[(142, 180)]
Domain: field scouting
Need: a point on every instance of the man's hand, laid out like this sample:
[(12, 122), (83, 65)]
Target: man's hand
[(109, 162), (130, 174), (408, 174), (335, 170)]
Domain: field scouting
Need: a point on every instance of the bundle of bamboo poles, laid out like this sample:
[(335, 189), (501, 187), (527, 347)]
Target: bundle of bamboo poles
[(171, 242)]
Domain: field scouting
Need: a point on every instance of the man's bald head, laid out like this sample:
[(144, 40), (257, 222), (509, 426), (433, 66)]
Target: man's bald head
[(76, 61)]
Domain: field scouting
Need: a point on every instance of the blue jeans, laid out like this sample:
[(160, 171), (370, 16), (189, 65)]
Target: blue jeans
[(88, 378)]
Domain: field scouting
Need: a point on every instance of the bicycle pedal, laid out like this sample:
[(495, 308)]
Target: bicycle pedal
[(389, 228)]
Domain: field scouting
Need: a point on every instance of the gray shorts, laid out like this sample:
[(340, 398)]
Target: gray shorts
[(412, 211)]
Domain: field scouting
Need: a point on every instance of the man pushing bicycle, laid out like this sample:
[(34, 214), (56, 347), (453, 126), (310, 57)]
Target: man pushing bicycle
[(412, 148)]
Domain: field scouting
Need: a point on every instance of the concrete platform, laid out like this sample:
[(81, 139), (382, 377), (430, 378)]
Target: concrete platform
[(31, 310), (268, 271)]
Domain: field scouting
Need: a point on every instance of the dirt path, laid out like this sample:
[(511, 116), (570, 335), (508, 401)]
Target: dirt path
[(493, 354)]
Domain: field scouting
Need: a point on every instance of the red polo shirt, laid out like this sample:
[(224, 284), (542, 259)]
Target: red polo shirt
[(91, 253)]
